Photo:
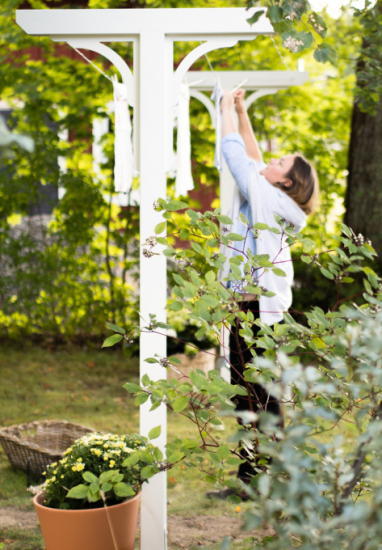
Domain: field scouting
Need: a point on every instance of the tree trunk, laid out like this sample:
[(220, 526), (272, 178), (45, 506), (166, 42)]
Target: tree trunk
[(363, 201)]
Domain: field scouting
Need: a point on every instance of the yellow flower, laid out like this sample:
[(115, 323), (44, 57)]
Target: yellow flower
[(106, 446), (97, 452), (54, 464), (74, 468), (53, 478), (62, 477), (63, 461), (55, 472), (111, 463), (79, 459), (44, 473), (80, 467)]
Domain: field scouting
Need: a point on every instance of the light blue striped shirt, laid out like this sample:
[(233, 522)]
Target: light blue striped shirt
[(239, 164)]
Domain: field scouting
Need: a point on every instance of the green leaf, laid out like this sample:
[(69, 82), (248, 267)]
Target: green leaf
[(106, 476), (123, 490), (169, 252), (173, 206), (158, 455), (130, 387), (212, 243), (223, 452), (178, 279), (319, 343), (255, 17), (197, 248), (79, 491), (141, 398), (89, 477), (296, 42), (116, 328), (174, 359), (326, 273), (114, 339), (161, 240), (155, 432), (184, 234), (93, 497), (151, 360), (306, 259), (148, 471), (192, 214), (279, 272), (325, 52), (175, 306), (94, 488), (295, 8), (105, 487), (210, 277), (235, 237), (224, 219), (262, 226), (318, 24), (175, 457), (145, 380), (160, 227), (275, 14), (180, 403)]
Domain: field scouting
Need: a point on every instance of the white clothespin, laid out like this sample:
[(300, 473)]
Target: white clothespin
[(239, 85)]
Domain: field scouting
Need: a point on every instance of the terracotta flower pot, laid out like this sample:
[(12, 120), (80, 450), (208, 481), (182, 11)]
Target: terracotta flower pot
[(112, 528)]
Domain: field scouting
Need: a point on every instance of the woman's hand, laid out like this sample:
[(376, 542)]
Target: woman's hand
[(226, 103), (239, 102)]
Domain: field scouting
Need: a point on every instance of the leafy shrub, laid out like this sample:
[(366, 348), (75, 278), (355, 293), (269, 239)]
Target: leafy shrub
[(316, 479)]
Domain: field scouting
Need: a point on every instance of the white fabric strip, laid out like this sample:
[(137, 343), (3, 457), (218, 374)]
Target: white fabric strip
[(123, 150), (184, 181), (216, 96)]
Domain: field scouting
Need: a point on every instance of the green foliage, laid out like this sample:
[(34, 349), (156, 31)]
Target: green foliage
[(64, 280), (369, 77), (62, 276), (290, 19), (7, 139), (327, 375), (98, 459)]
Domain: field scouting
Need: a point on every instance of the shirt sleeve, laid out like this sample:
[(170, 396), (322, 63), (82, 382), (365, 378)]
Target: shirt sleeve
[(238, 162)]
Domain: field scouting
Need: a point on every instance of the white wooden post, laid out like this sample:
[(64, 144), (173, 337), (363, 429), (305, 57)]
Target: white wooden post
[(153, 51), (152, 91)]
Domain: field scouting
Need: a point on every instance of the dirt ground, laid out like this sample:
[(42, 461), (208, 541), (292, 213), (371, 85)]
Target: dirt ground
[(183, 532)]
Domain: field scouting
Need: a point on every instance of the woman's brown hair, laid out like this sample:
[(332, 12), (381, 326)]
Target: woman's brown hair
[(305, 187)]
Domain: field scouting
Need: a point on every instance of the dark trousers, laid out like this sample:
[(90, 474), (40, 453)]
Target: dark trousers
[(261, 400)]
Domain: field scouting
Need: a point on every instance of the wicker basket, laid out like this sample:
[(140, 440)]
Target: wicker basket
[(34, 445)]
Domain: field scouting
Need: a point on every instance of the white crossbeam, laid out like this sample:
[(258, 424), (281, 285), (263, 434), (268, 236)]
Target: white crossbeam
[(119, 24), (254, 80)]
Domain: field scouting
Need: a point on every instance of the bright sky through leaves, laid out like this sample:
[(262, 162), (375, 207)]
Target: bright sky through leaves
[(334, 6)]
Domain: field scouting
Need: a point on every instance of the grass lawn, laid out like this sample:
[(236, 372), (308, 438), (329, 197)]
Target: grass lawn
[(86, 387)]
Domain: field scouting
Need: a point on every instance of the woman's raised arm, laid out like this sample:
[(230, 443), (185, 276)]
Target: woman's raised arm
[(245, 128)]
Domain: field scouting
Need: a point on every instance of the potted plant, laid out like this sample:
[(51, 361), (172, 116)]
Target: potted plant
[(91, 496)]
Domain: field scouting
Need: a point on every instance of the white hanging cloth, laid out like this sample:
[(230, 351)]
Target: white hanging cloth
[(183, 181), (123, 150), (216, 96)]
